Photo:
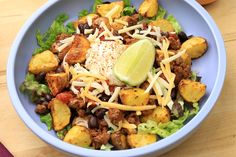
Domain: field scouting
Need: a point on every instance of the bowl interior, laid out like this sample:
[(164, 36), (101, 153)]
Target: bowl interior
[(191, 21)]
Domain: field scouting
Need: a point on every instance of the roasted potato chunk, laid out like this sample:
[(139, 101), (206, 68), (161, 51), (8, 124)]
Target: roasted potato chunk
[(83, 20), (119, 141), (78, 135), (43, 62), (159, 115), (57, 82), (191, 91), (97, 22), (148, 8), (140, 140), (60, 114), (103, 9), (195, 47), (164, 25), (78, 51), (134, 97)]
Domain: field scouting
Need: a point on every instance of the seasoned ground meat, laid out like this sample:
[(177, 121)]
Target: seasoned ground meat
[(77, 103), (181, 70), (57, 44), (81, 113), (41, 109), (119, 141), (175, 43), (133, 118), (147, 112), (102, 124), (115, 115), (99, 138)]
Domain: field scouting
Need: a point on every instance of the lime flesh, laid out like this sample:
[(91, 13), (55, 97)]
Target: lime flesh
[(135, 62)]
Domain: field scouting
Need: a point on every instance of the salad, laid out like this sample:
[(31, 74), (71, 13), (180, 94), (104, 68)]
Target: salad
[(117, 78)]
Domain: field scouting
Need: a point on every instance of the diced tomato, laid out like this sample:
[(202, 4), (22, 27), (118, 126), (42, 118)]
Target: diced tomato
[(65, 96)]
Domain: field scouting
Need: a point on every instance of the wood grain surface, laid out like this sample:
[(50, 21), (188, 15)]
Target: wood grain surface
[(215, 137)]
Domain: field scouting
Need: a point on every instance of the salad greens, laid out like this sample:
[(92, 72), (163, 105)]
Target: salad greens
[(96, 2), (83, 13), (34, 89), (175, 23), (161, 12), (46, 39), (128, 11), (166, 129), (47, 119), (107, 147), (61, 134)]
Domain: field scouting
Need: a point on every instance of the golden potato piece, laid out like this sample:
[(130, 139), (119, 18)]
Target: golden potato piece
[(195, 47), (140, 140), (164, 25), (43, 62), (103, 9), (57, 82), (119, 141), (159, 115), (191, 91), (134, 97), (60, 114), (78, 51), (83, 20), (148, 8), (78, 135)]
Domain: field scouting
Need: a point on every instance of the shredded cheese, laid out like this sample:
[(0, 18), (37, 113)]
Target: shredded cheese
[(92, 37), (109, 123), (121, 22), (126, 107), (106, 87), (88, 31), (153, 81), (97, 76), (124, 30), (172, 58), (127, 125), (60, 48), (112, 12), (103, 25), (168, 95), (68, 40), (163, 82), (89, 20), (115, 94)]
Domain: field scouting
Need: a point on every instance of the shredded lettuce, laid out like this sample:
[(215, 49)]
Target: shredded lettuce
[(107, 147), (128, 11), (175, 23), (34, 89), (47, 119), (193, 76), (127, 3), (46, 40), (96, 2), (161, 12), (166, 129), (61, 134), (83, 13)]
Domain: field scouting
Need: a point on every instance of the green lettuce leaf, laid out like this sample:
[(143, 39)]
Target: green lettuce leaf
[(175, 23), (46, 40), (47, 119), (107, 147), (166, 129), (96, 2), (161, 12), (83, 13), (128, 11), (127, 3), (61, 134), (33, 89)]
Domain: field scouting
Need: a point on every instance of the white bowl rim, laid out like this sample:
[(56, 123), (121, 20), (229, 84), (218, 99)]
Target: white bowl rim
[(163, 144)]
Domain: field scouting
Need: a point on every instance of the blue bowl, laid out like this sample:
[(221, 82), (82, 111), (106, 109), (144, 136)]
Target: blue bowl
[(194, 19)]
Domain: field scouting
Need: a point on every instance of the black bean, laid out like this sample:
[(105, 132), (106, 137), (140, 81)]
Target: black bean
[(182, 36), (41, 77), (104, 97), (106, 2), (83, 26), (48, 97), (100, 113), (93, 122), (60, 69), (89, 109), (173, 94)]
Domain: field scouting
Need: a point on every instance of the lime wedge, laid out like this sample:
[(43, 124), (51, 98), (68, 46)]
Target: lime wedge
[(135, 62)]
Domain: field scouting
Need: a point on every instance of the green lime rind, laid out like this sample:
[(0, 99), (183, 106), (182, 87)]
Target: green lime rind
[(135, 62)]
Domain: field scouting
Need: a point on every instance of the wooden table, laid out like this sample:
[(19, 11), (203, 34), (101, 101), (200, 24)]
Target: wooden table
[(216, 136)]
